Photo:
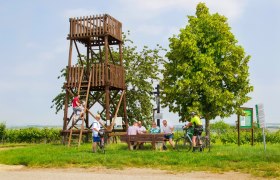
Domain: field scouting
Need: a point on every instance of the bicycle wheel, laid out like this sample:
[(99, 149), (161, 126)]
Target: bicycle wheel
[(205, 143), (102, 146), (183, 144)]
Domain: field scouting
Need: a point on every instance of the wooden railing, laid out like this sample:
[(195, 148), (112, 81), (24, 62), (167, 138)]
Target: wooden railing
[(74, 74), (95, 26), (116, 76), (98, 75)]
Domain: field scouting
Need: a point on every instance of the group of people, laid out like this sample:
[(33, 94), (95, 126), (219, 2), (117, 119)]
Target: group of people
[(137, 128), (166, 129)]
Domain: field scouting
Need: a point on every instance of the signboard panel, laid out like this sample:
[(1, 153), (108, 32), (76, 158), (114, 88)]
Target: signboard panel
[(158, 116), (246, 119), (260, 115), (118, 121), (261, 121)]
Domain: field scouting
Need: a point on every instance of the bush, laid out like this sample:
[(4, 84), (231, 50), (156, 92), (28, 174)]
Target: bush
[(220, 131), (2, 131), (33, 135), (220, 127)]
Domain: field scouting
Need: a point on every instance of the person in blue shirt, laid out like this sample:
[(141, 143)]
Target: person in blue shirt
[(154, 129)]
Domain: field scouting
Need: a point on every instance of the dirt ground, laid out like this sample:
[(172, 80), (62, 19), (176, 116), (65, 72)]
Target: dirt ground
[(20, 172)]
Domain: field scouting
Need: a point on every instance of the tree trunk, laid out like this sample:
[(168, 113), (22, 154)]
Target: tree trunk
[(207, 127)]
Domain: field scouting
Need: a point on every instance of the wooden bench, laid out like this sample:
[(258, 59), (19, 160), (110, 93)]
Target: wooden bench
[(140, 138), (113, 136)]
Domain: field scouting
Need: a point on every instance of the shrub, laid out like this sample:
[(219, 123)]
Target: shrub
[(228, 134), (33, 135), (2, 131)]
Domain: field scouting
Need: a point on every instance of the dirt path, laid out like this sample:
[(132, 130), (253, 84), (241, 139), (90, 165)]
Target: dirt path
[(20, 172)]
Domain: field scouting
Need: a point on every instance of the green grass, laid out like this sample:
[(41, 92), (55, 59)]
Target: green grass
[(246, 159)]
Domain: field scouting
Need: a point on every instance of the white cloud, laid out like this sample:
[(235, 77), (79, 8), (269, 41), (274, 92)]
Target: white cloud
[(159, 5), (157, 17), (71, 13), (232, 9), (149, 8), (149, 29)]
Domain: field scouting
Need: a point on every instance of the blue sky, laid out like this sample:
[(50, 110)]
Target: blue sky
[(34, 47)]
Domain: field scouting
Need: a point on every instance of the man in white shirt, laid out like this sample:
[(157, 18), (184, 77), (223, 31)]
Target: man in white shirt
[(168, 133), (97, 123), (141, 128), (133, 130)]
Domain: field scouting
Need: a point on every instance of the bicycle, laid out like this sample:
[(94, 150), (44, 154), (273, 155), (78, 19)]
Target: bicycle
[(205, 143), (103, 140), (184, 143)]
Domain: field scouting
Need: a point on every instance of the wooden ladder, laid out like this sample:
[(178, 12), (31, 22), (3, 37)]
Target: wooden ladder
[(84, 111)]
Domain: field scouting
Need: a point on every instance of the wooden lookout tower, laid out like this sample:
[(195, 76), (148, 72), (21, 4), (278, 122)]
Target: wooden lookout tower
[(98, 76)]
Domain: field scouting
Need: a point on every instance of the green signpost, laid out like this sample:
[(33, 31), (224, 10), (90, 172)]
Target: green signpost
[(245, 121)]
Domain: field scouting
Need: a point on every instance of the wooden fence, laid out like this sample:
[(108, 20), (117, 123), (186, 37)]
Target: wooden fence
[(74, 74), (98, 25), (116, 76)]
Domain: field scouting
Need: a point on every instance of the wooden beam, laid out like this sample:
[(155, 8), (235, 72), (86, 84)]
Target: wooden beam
[(110, 128), (82, 128), (112, 58), (80, 80), (79, 54)]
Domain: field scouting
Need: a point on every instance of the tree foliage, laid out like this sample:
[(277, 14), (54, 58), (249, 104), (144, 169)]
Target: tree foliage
[(2, 130), (141, 68), (206, 71)]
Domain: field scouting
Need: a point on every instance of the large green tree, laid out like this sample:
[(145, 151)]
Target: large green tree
[(141, 68), (206, 71)]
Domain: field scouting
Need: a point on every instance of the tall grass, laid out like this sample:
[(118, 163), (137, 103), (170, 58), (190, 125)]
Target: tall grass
[(222, 158)]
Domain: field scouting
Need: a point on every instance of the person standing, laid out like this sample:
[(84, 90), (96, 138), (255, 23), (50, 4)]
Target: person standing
[(198, 128), (167, 130), (97, 123)]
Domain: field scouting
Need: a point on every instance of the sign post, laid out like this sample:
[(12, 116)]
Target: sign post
[(261, 121), (158, 103)]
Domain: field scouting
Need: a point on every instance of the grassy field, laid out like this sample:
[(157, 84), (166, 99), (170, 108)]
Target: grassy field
[(246, 159)]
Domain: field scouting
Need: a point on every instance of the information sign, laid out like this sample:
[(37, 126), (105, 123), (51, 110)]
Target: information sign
[(246, 119), (260, 115), (158, 116)]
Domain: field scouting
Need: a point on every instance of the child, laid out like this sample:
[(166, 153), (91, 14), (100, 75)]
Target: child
[(80, 114)]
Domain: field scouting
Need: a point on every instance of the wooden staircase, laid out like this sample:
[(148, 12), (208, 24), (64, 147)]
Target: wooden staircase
[(75, 119)]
